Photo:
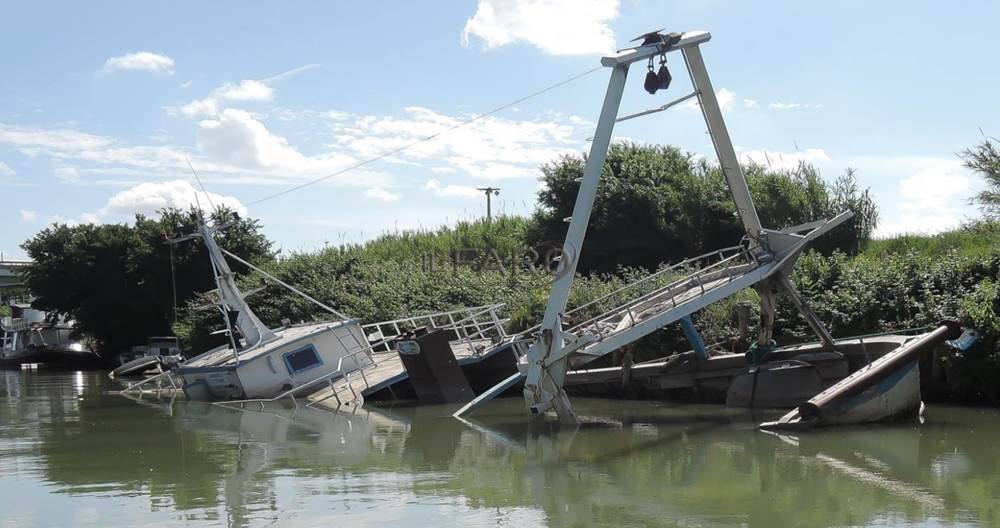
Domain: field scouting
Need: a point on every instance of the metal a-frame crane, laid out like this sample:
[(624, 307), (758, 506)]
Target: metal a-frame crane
[(763, 261)]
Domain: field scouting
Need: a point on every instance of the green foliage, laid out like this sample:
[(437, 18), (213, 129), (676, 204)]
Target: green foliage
[(503, 234), (115, 279), (979, 238), (910, 282), (984, 159), (656, 204)]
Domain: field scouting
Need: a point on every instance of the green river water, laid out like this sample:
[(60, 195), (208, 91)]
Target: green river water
[(73, 453)]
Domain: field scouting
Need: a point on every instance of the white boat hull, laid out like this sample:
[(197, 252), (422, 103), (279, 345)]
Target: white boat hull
[(332, 350), (895, 397)]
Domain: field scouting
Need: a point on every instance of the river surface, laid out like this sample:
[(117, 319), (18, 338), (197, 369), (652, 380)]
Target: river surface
[(74, 453)]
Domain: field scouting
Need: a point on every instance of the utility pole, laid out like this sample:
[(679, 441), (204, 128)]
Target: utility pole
[(490, 192)]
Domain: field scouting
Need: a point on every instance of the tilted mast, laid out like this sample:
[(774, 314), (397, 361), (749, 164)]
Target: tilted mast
[(231, 299)]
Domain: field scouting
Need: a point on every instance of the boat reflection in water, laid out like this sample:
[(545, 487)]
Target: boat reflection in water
[(68, 453)]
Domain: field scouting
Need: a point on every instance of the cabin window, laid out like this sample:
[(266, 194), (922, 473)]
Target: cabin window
[(302, 359)]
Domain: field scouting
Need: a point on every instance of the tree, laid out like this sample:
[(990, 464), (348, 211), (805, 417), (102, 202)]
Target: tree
[(656, 204), (984, 159), (115, 280)]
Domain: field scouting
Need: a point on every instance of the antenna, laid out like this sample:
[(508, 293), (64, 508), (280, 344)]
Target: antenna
[(203, 189)]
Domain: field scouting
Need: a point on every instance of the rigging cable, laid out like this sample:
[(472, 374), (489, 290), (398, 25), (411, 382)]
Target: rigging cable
[(427, 138)]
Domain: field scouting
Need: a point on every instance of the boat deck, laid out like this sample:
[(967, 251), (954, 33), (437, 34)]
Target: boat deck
[(388, 370), (223, 355)]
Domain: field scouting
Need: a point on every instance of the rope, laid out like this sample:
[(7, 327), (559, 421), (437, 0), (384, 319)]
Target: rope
[(428, 138), (285, 284)]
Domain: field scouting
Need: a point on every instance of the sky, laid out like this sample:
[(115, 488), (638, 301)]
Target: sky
[(104, 104)]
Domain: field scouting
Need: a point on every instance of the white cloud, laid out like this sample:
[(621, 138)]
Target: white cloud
[(32, 142), (336, 115), (200, 108), (141, 61), (186, 84), (790, 105), (725, 98), (377, 193), (451, 190), (557, 27), (248, 90), (489, 148), (238, 138), (783, 160), (28, 215), (67, 174), (931, 199), (258, 156), (5, 170), (147, 198), (245, 91), (85, 218)]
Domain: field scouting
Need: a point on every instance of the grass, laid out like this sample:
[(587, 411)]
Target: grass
[(976, 239), (503, 233)]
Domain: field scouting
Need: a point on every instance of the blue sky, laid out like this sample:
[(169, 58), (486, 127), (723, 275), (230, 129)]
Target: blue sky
[(102, 102)]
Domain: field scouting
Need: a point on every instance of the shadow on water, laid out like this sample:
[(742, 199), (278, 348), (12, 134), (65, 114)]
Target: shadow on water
[(629, 463)]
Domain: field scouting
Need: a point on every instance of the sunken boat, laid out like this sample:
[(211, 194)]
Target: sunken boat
[(831, 381)]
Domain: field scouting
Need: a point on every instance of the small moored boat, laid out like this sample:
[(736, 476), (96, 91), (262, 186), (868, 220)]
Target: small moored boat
[(28, 338)]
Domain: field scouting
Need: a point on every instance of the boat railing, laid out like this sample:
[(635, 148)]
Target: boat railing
[(155, 384), (478, 323), (698, 282), (9, 324), (653, 284), (462, 320)]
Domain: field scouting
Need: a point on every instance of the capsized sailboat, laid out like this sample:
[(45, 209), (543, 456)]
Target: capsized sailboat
[(260, 362)]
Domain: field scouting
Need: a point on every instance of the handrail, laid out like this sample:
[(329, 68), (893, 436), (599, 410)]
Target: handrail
[(647, 278), (167, 374), (484, 308), (651, 276), (15, 325), (469, 313), (686, 279)]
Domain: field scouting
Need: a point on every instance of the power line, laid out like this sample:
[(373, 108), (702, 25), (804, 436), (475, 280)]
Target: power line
[(428, 138)]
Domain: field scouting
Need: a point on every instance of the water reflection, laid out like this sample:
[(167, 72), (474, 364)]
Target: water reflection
[(71, 453)]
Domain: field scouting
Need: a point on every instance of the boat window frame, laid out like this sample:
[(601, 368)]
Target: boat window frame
[(288, 365)]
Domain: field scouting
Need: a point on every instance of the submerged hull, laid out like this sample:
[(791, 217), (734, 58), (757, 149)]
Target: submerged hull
[(858, 381), (300, 356), (887, 388), (898, 396)]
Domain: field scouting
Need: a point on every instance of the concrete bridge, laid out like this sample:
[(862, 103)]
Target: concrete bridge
[(9, 277)]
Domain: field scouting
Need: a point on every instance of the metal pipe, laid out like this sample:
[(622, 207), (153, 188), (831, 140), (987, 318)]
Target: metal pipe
[(878, 371), (677, 101)]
